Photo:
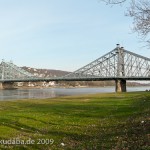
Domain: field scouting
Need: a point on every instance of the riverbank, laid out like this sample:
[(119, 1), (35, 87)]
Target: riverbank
[(97, 121)]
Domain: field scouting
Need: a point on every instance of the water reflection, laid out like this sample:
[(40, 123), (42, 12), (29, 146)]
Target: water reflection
[(26, 94), (55, 92)]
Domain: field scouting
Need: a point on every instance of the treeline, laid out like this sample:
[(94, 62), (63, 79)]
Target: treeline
[(74, 84), (86, 83), (95, 83)]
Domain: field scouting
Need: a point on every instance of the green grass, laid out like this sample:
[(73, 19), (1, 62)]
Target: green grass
[(90, 122)]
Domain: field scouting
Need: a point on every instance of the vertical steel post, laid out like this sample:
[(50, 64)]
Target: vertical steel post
[(120, 63)]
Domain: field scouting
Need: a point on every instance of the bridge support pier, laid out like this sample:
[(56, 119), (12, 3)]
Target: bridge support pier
[(120, 85), (7, 85)]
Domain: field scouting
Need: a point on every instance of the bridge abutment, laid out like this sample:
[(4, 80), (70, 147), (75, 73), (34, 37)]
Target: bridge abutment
[(120, 85), (7, 85)]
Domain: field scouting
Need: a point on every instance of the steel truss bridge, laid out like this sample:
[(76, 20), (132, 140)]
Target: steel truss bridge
[(119, 65)]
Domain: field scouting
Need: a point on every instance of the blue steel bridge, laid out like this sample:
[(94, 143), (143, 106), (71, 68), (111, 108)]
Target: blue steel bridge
[(118, 65)]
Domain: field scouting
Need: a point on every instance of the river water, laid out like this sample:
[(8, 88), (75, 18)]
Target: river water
[(56, 92)]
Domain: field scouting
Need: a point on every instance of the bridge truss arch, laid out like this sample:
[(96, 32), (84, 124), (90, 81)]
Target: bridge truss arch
[(118, 63)]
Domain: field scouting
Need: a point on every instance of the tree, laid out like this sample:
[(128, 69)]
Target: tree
[(139, 10), (114, 1)]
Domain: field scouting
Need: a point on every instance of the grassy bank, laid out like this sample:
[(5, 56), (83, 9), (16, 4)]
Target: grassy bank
[(91, 122)]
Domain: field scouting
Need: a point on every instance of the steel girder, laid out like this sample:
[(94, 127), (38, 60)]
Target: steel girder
[(118, 63), (10, 71)]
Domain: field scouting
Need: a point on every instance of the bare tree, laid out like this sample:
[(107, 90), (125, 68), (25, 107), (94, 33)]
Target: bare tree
[(114, 1), (139, 10)]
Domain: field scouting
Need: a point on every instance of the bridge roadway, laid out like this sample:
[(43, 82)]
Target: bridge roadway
[(120, 82), (73, 79)]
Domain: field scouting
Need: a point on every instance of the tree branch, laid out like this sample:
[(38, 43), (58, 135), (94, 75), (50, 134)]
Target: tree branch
[(114, 1)]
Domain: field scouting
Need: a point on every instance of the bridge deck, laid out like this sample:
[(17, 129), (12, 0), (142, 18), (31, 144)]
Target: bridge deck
[(74, 79)]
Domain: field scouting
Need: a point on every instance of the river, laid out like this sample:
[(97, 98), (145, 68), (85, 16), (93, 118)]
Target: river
[(56, 92)]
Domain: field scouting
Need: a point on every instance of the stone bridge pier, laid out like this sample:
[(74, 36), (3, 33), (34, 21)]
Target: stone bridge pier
[(7, 85), (120, 85)]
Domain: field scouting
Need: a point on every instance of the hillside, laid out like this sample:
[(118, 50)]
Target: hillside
[(45, 72)]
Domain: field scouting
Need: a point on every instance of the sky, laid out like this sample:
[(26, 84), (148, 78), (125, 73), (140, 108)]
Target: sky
[(63, 34)]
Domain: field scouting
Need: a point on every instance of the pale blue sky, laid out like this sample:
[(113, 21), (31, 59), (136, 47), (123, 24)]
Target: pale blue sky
[(63, 34)]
